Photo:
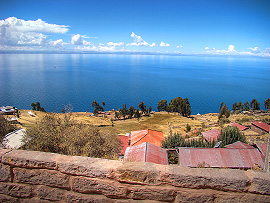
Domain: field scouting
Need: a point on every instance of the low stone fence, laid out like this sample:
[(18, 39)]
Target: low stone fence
[(31, 176)]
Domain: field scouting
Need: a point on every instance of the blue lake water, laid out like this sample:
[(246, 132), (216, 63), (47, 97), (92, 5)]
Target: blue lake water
[(58, 79)]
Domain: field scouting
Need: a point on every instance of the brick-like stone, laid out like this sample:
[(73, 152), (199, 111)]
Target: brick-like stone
[(41, 177), (140, 172), (34, 200), (86, 166), (95, 186), (5, 173), (241, 198), (153, 193), (48, 193), (16, 190), (195, 195), (3, 152), (82, 198), (134, 201), (260, 182), (30, 159), (220, 179), (5, 198)]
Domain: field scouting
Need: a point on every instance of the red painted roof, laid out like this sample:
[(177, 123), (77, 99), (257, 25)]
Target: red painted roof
[(262, 147), (261, 125), (141, 136), (146, 152), (239, 145), (240, 127), (220, 157), (211, 134), (124, 139)]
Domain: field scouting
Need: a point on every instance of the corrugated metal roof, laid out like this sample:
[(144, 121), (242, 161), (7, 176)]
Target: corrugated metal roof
[(220, 157), (240, 127), (239, 145), (261, 125), (262, 147), (211, 134), (14, 139), (124, 139), (141, 136), (146, 152)]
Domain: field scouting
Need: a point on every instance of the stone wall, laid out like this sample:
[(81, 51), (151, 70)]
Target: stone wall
[(30, 176)]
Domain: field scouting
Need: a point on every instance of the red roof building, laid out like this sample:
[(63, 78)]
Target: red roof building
[(211, 135), (220, 157), (141, 136), (239, 145), (146, 152), (125, 143), (240, 127), (262, 147), (260, 127)]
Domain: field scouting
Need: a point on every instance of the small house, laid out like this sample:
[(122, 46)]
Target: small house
[(260, 127)]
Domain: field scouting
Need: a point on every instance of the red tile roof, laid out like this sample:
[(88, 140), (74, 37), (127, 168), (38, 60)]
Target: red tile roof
[(220, 157), (146, 152), (141, 136), (240, 127), (261, 125), (239, 145), (211, 134), (124, 139)]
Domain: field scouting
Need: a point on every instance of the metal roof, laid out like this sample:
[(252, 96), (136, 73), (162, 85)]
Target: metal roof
[(146, 152), (262, 147), (239, 145), (261, 125), (211, 134), (240, 127), (220, 157), (141, 136), (14, 139)]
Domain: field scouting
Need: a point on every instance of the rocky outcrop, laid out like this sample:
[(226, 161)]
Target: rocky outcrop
[(30, 176)]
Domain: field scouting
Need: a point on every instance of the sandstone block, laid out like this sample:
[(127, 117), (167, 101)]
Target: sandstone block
[(152, 193), (140, 172), (195, 195), (48, 193), (4, 173), (5, 198), (82, 198), (86, 166), (34, 200), (90, 185), (41, 177), (2, 152), (16, 190), (241, 198), (220, 179), (260, 182), (30, 159)]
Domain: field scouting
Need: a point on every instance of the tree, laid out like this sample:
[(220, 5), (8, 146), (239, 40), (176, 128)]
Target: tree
[(180, 105), (162, 105), (224, 111), (235, 106), (137, 114), (255, 105), (150, 109), (103, 103), (5, 127), (246, 106), (37, 107), (267, 103), (231, 134), (142, 107), (64, 135), (131, 111), (95, 103), (123, 111), (188, 128), (240, 106)]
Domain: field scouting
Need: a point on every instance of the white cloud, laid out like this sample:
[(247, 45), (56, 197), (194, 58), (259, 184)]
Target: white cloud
[(255, 50), (115, 44), (162, 44), (231, 48), (206, 48), (138, 41), (181, 46), (79, 40), (14, 31)]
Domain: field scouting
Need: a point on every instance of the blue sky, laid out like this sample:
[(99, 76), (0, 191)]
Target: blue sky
[(223, 27)]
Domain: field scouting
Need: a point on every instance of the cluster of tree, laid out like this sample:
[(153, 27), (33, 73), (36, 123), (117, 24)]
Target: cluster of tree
[(229, 135), (132, 112), (97, 107), (5, 127), (177, 140), (267, 103), (179, 105), (37, 107), (62, 134), (253, 105)]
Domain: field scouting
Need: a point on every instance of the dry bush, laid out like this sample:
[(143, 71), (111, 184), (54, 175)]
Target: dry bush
[(64, 135), (5, 127)]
